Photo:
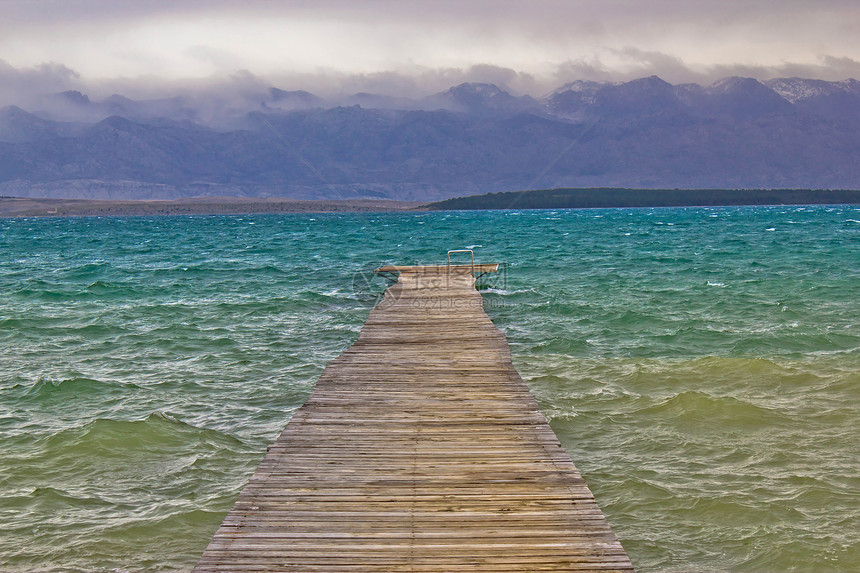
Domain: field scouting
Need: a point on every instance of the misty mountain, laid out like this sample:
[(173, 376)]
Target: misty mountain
[(19, 126), (379, 101), (573, 99), (481, 99), (472, 138), (292, 100)]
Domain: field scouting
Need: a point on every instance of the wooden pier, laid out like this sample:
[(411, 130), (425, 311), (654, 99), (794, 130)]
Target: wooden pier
[(420, 449)]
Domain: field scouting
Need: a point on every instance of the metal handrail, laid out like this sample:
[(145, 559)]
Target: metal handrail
[(470, 251)]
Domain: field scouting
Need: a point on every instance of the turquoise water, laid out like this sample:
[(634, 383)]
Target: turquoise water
[(702, 367)]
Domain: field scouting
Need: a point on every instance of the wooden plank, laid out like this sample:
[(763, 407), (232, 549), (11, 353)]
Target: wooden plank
[(420, 449), (439, 269)]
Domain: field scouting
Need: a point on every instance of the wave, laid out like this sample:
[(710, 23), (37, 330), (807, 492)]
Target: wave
[(64, 388), (37, 289), (110, 289), (57, 497), (88, 271), (506, 292), (696, 407), (158, 433), (89, 494)]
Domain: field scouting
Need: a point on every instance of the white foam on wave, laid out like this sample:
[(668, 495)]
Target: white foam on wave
[(505, 292)]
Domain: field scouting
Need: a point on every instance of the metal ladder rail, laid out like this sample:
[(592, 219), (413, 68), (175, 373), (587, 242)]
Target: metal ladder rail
[(470, 251)]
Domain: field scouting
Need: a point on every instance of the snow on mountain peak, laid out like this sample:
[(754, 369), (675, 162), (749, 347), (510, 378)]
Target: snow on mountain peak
[(799, 89)]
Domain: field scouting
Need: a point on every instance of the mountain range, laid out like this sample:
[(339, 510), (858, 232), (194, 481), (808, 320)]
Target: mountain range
[(738, 133)]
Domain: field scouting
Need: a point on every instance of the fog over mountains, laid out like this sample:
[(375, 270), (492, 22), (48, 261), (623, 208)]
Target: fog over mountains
[(472, 138)]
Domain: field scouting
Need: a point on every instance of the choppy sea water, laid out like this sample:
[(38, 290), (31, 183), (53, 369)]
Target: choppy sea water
[(701, 366)]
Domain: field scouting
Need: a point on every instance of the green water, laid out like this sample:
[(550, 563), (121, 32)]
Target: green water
[(702, 367)]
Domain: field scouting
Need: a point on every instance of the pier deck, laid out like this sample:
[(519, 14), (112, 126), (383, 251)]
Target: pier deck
[(420, 449)]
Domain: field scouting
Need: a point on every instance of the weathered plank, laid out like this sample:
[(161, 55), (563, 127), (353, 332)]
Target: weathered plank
[(420, 449)]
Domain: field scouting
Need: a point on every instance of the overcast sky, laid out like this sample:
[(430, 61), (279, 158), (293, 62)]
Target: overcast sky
[(410, 46)]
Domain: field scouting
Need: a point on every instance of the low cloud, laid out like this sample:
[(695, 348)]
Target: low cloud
[(361, 39), (631, 63), (827, 68), (31, 88), (414, 48), (24, 86)]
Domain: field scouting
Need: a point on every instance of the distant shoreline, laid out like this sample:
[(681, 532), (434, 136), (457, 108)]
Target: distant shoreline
[(30, 207), (613, 198), (589, 198)]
